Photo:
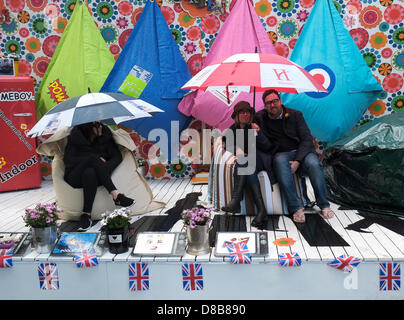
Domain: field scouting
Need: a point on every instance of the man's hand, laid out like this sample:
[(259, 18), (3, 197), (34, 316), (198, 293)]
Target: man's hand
[(294, 165)]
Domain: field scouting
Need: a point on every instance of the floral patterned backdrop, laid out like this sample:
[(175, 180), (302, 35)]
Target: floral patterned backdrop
[(32, 29)]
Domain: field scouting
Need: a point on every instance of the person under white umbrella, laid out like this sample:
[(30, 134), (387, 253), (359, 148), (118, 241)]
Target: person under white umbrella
[(91, 154), (90, 157)]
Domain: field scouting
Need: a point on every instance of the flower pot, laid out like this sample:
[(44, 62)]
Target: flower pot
[(118, 239), (44, 238), (198, 240)]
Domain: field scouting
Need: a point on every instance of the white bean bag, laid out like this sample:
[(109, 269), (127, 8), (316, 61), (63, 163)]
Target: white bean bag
[(125, 177)]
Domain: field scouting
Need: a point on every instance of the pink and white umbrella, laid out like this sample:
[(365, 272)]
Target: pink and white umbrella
[(255, 71)]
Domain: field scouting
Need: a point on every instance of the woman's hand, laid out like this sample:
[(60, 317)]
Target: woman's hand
[(255, 126)]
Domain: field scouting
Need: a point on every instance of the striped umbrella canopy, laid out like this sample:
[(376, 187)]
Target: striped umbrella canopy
[(110, 108), (255, 71)]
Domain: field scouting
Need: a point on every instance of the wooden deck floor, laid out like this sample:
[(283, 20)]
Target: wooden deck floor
[(369, 237)]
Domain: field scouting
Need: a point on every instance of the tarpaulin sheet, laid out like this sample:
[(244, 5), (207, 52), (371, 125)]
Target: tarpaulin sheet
[(365, 168)]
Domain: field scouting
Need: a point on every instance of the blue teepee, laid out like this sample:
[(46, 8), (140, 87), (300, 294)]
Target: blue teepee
[(150, 67), (326, 49)]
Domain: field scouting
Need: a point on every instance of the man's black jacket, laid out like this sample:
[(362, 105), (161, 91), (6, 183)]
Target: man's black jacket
[(294, 126)]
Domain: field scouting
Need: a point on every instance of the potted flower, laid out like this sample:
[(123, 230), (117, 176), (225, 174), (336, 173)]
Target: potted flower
[(116, 224), (196, 222), (42, 221)]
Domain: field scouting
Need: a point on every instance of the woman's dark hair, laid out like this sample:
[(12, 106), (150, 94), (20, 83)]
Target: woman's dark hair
[(268, 92)]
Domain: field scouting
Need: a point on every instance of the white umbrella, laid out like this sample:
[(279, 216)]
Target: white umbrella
[(110, 108)]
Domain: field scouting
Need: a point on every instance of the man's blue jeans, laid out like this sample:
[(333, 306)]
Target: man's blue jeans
[(310, 167)]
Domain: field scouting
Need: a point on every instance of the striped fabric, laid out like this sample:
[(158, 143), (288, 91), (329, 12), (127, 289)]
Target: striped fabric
[(220, 186)]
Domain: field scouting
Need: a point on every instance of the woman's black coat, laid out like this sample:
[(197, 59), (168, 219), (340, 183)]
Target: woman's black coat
[(80, 150)]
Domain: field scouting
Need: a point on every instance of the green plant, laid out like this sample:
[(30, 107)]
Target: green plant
[(116, 219)]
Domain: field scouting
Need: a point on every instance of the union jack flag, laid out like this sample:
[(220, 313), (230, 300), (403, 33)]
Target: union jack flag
[(139, 276), (192, 277), (345, 263), (390, 276), (6, 258), (290, 259), (239, 253), (48, 276), (86, 259)]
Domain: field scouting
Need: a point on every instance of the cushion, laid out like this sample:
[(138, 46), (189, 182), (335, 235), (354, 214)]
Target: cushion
[(201, 178), (220, 186), (125, 177)]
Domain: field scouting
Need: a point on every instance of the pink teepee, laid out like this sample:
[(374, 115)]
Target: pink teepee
[(242, 32)]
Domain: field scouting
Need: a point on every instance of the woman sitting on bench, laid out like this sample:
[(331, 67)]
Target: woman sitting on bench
[(246, 174)]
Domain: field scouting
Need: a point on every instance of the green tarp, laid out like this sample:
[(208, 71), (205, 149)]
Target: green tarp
[(365, 168)]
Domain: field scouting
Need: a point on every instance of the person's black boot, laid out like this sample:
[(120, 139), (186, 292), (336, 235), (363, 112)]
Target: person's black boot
[(85, 222), (123, 201), (237, 195), (261, 219)]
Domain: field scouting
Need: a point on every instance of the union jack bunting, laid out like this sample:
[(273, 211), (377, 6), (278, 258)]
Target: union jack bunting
[(139, 276), (290, 259), (239, 253), (389, 276), (86, 259), (6, 258), (48, 276), (345, 263), (192, 277)]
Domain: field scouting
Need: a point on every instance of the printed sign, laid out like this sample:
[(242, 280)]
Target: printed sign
[(57, 91), (135, 82)]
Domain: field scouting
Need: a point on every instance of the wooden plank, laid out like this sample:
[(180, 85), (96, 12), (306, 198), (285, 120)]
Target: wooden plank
[(396, 239), (385, 242), (356, 238), (381, 244), (121, 257), (30, 256), (357, 244), (368, 238), (311, 253), (295, 234), (107, 256), (351, 250)]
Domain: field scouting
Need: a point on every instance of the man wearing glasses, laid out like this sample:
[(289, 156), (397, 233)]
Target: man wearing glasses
[(293, 150)]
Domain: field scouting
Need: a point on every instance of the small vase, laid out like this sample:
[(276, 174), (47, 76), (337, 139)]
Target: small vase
[(198, 240), (44, 238), (118, 239)]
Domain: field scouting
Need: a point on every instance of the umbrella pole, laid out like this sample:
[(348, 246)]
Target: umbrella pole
[(254, 99), (256, 51)]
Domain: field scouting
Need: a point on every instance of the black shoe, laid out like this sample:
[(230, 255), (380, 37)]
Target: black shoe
[(261, 219), (123, 201), (85, 222), (237, 195)]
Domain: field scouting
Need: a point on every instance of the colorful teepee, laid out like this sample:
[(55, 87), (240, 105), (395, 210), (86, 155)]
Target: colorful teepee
[(151, 67), (81, 61), (242, 32), (326, 49)]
